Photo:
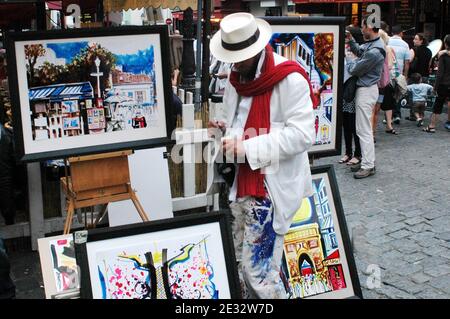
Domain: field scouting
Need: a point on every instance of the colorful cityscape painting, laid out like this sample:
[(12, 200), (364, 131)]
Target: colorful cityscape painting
[(313, 258), (78, 88), (315, 53)]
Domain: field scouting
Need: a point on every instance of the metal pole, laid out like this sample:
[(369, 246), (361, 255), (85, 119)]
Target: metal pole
[(198, 70), (206, 54)]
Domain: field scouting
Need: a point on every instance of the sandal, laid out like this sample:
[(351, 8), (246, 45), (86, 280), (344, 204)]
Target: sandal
[(344, 159), (354, 161), (429, 129), (419, 122), (392, 131)]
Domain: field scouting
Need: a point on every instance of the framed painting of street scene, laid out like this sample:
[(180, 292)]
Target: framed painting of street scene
[(189, 257), (318, 259), (59, 267), (77, 92), (317, 44)]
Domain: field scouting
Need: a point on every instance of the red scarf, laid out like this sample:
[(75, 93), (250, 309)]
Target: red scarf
[(249, 182)]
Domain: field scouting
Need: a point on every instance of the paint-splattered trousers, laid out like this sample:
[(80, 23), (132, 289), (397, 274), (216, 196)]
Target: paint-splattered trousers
[(258, 248)]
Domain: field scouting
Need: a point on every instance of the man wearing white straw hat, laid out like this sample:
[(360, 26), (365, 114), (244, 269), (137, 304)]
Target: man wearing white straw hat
[(268, 126)]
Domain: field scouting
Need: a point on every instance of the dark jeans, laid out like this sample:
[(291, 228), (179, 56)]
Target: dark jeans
[(7, 287), (397, 111), (443, 93), (7, 205), (349, 124)]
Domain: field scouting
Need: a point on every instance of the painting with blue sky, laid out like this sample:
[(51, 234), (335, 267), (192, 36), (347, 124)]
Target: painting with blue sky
[(137, 61), (116, 82), (121, 88)]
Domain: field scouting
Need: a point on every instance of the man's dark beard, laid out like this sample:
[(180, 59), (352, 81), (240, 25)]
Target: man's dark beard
[(249, 74)]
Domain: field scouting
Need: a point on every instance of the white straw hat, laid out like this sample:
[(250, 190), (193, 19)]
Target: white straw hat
[(241, 37)]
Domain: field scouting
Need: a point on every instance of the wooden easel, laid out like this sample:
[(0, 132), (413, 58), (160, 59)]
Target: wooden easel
[(98, 180)]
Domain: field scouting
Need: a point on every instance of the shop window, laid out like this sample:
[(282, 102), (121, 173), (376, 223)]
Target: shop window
[(140, 96)]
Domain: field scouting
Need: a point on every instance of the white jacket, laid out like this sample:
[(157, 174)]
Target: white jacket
[(282, 154)]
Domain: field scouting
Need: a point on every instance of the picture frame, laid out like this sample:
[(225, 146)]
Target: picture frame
[(67, 72), (59, 268), (317, 44), (318, 260), (187, 257)]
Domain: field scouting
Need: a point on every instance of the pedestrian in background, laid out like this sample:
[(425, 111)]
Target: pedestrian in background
[(421, 64), (348, 116), (7, 287), (403, 58), (386, 99), (7, 164), (442, 87), (367, 67), (419, 92)]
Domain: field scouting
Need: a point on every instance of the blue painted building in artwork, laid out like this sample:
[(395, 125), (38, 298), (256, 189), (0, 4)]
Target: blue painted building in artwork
[(325, 217)]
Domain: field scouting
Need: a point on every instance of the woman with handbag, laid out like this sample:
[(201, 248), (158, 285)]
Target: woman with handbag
[(349, 117), (385, 99)]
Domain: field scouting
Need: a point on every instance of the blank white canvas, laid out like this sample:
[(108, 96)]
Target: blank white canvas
[(149, 173)]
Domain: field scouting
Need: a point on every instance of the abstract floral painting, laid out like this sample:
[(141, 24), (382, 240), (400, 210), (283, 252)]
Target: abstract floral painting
[(58, 263), (128, 274), (184, 263)]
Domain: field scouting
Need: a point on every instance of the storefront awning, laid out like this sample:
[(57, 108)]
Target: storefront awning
[(60, 91), (118, 5)]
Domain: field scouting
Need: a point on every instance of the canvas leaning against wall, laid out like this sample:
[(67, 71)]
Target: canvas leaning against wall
[(318, 260), (316, 44), (181, 258), (59, 267), (80, 91)]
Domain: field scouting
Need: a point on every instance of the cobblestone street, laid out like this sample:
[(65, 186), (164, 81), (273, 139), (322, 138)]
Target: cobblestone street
[(399, 219)]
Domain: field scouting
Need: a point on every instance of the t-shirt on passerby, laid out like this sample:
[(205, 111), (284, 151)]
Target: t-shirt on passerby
[(401, 49), (420, 91)]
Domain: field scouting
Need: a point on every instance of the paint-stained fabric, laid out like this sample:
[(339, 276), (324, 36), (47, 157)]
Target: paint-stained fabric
[(258, 248)]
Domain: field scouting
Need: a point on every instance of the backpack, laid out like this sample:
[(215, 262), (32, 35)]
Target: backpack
[(385, 72), (349, 90)]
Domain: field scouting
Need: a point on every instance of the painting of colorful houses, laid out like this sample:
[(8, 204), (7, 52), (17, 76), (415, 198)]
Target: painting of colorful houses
[(314, 53), (80, 87), (313, 261)]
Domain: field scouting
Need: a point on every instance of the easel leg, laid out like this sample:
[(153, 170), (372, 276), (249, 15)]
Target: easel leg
[(139, 207), (70, 211), (100, 215)]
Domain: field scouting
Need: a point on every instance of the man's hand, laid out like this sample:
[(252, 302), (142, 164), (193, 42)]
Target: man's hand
[(221, 76), (216, 128), (233, 147), (348, 36), (442, 52)]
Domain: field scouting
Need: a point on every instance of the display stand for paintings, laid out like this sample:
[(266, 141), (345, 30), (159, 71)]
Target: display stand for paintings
[(98, 180)]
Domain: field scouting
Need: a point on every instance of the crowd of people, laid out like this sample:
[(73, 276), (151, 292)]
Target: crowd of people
[(383, 73)]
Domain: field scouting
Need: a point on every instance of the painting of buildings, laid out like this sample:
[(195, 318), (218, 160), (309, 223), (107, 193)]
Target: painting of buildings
[(311, 262), (90, 87), (314, 53)]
